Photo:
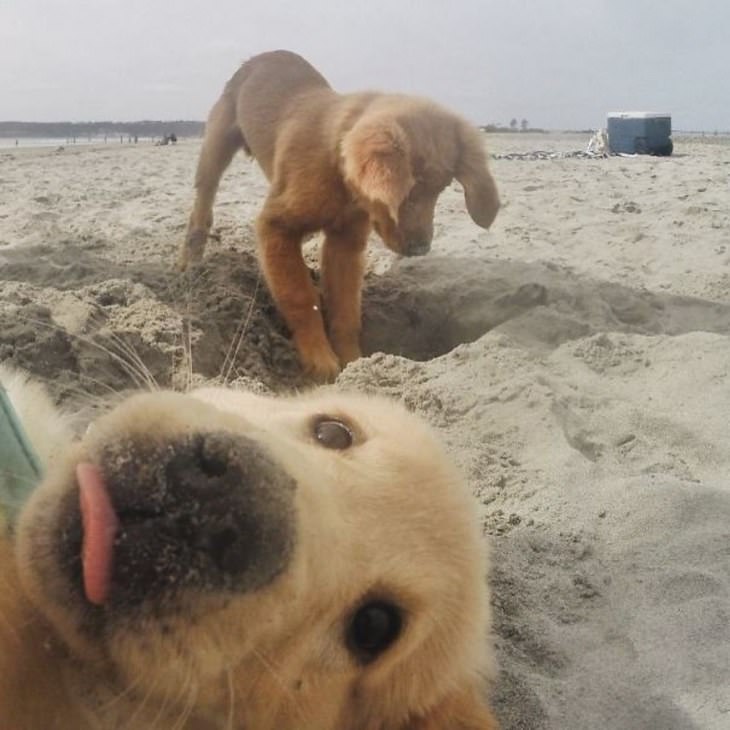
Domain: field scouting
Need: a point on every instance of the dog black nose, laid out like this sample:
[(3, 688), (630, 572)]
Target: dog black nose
[(208, 511), (418, 247)]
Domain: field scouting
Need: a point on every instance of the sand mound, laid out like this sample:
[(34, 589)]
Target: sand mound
[(575, 360), (76, 317)]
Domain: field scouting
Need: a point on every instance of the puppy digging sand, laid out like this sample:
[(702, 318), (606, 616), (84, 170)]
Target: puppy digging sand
[(340, 164), (246, 562)]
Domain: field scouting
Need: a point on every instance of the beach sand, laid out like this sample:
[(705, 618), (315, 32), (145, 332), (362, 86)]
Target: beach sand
[(575, 358)]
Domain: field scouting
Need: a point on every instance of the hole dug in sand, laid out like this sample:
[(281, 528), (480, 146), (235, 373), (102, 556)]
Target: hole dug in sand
[(423, 308), (73, 315), (420, 310)]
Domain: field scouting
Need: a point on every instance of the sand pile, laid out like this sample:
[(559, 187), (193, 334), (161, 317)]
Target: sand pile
[(576, 360)]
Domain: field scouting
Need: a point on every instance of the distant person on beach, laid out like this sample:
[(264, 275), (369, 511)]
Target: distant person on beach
[(168, 139)]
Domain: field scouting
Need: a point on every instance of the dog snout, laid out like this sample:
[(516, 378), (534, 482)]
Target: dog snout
[(207, 511), (418, 247)]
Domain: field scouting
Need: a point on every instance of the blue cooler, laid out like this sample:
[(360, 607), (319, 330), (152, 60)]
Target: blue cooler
[(640, 133)]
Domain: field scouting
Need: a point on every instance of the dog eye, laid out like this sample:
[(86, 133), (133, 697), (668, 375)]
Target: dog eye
[(373, 628), (333, 434)]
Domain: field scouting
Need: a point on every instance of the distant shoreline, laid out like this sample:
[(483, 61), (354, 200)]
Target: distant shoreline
[(35, 143), (90, 131), (19, 134)]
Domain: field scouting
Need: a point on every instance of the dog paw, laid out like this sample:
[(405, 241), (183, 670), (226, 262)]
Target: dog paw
[(347, 351), (191, 252), (323, 367)]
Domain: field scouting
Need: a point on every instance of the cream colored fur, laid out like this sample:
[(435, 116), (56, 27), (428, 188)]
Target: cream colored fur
[(388, 514), (49, 430)]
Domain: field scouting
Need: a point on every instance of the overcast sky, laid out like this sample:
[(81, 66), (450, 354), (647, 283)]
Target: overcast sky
[(558, 63)]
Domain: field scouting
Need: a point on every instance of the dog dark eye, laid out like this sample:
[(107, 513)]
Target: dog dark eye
[(333, 434), (373, 628)]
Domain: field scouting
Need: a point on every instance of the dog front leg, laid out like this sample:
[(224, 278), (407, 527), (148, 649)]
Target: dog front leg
[(343, 267), (296, 297)]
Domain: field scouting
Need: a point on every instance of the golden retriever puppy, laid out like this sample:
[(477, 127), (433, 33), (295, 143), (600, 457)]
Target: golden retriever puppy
[(338, 163), (226, 561)]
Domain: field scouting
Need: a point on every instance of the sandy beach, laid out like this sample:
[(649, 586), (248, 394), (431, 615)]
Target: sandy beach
[(575, 359)]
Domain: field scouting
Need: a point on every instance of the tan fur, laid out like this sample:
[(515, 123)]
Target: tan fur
[(387, 515), (339, 163)]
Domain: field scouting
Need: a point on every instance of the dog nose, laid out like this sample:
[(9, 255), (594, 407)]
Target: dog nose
[(418, 247), (210, 511)]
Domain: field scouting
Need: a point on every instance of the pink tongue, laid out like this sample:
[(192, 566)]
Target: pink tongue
[(100, 528)]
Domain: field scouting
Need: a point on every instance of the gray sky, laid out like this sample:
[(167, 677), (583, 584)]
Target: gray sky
[(557, 63)]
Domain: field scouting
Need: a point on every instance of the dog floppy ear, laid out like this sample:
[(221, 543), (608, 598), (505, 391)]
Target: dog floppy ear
[(459, 711), (480, 190), (376, 162)]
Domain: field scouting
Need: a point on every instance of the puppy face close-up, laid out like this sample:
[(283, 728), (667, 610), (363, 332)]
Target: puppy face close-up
[(268, 563)]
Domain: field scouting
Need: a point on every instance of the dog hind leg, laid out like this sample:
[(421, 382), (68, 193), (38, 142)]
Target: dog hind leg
[(222, 140)]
